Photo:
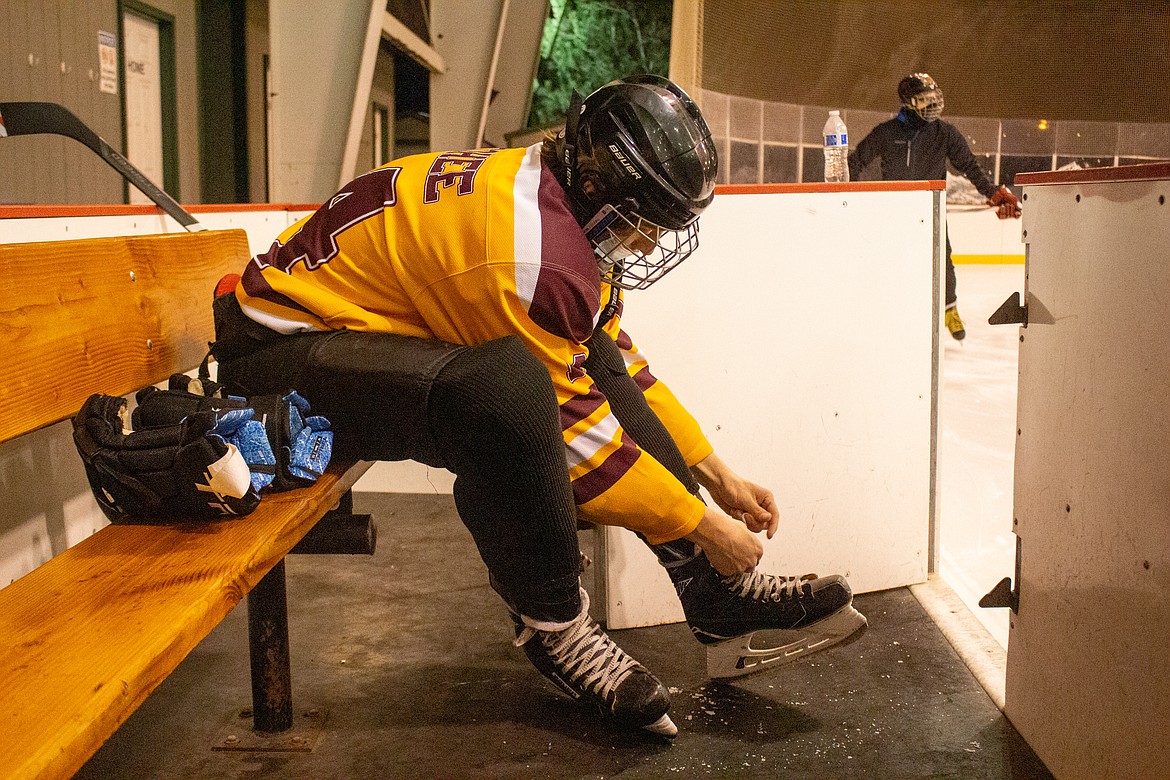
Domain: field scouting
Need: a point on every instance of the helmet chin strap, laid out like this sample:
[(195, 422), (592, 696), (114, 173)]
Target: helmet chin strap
[(569, 160), (569, 147)]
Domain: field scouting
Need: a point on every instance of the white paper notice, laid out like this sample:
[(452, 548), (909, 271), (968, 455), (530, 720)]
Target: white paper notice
[(108, 57)]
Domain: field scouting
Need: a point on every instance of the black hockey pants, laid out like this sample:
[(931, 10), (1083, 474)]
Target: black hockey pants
[(487, 413)]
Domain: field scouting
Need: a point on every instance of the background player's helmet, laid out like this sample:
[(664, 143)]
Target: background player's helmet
[(645, 169), (920, 94)]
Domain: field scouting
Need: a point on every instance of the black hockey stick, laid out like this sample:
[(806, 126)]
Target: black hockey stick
[(38, 118)]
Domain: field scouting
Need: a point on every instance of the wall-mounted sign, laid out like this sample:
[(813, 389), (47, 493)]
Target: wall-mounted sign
[(108, 58)]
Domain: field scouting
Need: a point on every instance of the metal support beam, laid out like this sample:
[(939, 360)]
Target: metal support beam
[(415, 47), (686, 46), (268, 647), (491, 75), (361, 91)]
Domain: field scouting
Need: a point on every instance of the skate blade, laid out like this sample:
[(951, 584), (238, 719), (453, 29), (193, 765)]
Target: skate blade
[(664, 726), (737, 657)]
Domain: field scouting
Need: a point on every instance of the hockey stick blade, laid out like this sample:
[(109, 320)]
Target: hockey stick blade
[(34, 118)]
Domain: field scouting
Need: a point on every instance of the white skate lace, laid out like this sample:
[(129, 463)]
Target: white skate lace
[(585, 654), (757, 586)]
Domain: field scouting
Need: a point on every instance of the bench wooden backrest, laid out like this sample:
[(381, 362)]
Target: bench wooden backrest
[(104, 315), (86, 636)]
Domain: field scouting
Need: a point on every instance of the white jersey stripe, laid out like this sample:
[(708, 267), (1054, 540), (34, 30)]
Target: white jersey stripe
[(278, 324), (587, 443), (527, 235)]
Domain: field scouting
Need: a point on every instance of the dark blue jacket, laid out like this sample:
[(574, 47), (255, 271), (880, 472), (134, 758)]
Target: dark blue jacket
[(911, 148)]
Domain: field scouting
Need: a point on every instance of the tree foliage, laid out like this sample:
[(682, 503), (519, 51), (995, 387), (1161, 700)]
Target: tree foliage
[(588, 43)]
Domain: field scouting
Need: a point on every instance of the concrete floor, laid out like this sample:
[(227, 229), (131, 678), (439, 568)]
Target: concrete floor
[(408, 655)]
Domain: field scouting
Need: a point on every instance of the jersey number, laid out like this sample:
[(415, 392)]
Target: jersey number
[(366, 196), (316, 242)]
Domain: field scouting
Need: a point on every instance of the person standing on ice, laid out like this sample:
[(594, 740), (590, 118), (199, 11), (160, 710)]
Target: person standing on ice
[(463, 309), (917, 145)]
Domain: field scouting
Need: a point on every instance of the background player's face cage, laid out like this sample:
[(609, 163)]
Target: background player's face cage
[(928, 105), (633, 252)]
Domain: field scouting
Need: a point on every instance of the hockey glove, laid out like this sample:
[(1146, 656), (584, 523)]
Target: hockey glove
[(1007, 205), (185, 471), (285, 447), (187, 396), (302, 444)]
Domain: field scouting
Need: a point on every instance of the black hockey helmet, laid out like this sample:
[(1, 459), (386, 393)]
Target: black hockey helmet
[(640, 170), (920, 94)]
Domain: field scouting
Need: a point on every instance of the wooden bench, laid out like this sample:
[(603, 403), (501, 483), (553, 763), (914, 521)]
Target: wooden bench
[(86, 636)]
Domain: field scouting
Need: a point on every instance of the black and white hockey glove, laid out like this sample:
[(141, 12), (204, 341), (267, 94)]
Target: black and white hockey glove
[(193, 451), (184, 471)]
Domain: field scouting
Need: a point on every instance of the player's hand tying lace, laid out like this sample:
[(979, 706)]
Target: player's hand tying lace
[(741, 498)]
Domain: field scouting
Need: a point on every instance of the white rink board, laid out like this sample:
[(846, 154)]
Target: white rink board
[(262, 226), (1091, 490), (803, 336), (978, 233)]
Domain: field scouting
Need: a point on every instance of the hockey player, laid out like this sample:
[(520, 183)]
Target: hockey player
[(463, 309), (916, 144)]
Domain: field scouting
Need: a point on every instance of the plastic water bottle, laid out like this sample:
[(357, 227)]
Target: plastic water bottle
[(836, 149)]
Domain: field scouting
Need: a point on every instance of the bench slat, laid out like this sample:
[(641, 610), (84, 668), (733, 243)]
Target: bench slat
[(74, 322), (76, 661)]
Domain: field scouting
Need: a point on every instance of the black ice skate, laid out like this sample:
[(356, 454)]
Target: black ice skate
[(756, 621), (586, 664)]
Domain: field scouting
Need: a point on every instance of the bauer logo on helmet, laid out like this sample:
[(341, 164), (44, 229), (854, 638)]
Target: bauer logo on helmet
[(624, 161)]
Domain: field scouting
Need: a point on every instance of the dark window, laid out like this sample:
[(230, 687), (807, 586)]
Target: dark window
[(412, 86), (745, 163), (814, 164), (412, 106), (1010, 165), (779, 164), (381, 126), (413, 15), (1140, 160)]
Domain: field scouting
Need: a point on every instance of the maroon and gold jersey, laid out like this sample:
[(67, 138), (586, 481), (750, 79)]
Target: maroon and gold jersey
[(468, 247)]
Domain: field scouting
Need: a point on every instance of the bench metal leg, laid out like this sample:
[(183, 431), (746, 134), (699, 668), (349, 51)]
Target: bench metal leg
[(268, 646), (339, 532)]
